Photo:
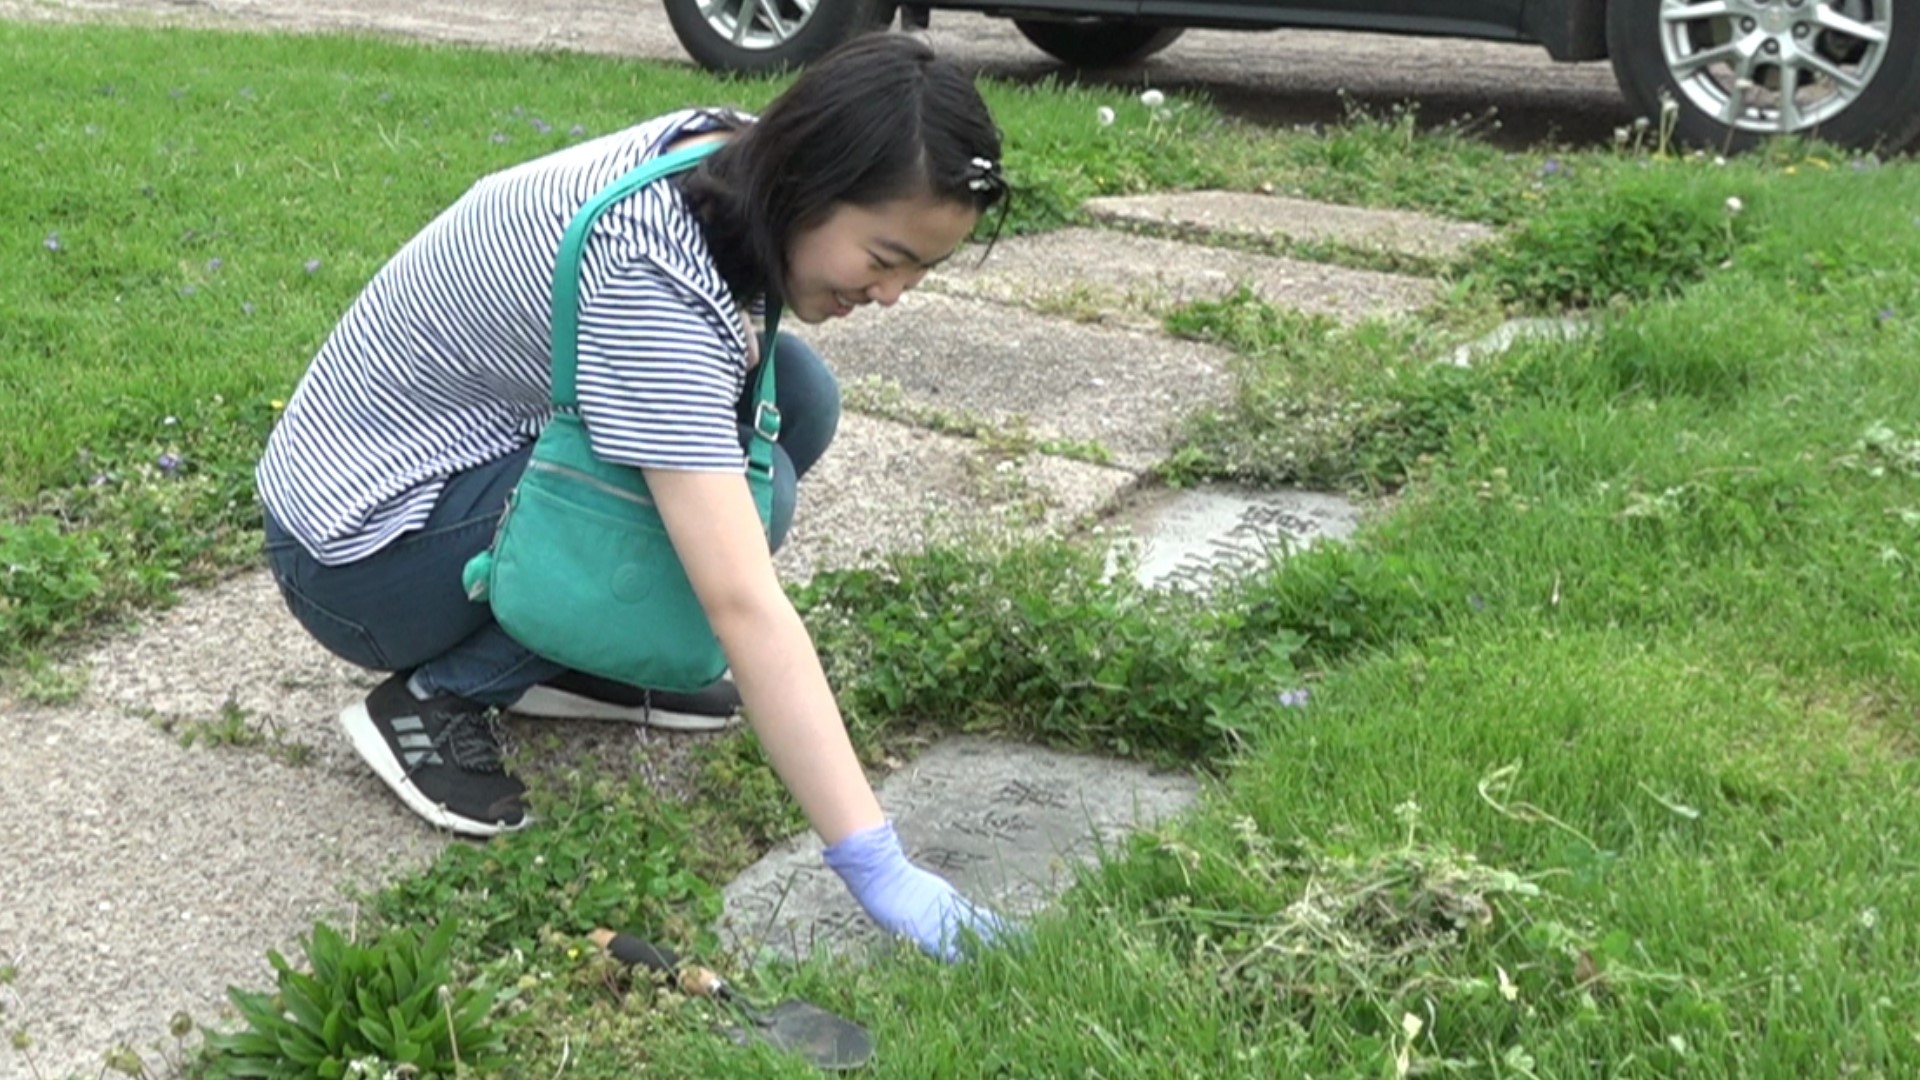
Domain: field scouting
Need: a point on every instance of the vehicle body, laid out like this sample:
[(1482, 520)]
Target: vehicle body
[(1735, 71)]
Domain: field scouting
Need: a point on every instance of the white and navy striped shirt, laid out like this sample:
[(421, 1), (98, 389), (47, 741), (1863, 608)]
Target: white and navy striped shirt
[(442, 363)]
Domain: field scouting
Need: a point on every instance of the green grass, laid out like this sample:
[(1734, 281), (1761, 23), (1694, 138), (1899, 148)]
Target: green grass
[(1607, 768)]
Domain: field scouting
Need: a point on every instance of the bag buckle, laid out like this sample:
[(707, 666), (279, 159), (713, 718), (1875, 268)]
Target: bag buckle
[(766, 421)]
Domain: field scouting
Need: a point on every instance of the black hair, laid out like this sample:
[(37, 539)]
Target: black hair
[(878, 119)]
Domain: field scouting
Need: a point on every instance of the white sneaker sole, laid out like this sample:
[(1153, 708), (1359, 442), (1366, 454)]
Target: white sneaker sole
[(551, 704), (372, 748)]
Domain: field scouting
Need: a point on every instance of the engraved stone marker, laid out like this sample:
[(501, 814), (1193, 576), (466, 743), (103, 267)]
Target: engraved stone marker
[(1186, 538), (1005, 822)]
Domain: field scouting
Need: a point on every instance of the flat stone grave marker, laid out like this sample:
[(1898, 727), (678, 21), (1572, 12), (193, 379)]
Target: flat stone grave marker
[(1005, 822), (1186, 539)]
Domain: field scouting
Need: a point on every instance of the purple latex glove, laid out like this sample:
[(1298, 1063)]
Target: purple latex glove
[(904, 899)]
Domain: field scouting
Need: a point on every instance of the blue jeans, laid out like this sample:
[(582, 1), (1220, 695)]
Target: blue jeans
[(403, 607)]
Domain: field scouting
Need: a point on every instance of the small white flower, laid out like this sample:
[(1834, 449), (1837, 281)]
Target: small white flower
[(1719, 161), (1734, 205), (1104, 115), (1153, 99)]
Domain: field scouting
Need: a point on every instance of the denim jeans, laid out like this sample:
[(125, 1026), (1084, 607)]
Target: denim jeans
[(403, 607)]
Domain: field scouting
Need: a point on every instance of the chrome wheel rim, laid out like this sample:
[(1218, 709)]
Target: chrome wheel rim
[(1774, 66), (757, 25)]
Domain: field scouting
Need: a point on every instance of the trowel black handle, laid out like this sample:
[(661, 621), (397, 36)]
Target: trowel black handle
[(632, 951)]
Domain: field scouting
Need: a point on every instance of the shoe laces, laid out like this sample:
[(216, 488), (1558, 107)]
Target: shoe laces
[(472, 740)]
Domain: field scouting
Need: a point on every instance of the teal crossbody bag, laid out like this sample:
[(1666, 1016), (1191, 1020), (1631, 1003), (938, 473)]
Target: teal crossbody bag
[(581, 569)]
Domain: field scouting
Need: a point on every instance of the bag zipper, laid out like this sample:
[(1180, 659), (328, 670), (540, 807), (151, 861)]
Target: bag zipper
[(590, 480)]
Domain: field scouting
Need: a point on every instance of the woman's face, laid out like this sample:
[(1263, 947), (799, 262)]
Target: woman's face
[(871, 254)]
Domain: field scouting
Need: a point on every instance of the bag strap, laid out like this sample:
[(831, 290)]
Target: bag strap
[(566, 314)]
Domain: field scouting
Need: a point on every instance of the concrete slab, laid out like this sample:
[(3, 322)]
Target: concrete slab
[(1187, 539), (1275, 218), (1513, 332), (140, 878), (1102, 275), (889, 487), (1120, 389), (1006, 823)]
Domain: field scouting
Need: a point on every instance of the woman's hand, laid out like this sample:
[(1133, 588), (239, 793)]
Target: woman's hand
[(904, 899)]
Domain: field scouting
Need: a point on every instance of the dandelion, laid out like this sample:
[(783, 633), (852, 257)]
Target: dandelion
[(1104, 115), (1621, 135), (276, 404), (52, 242), (313, 265), (1152, 99), (168, 463), (1734, 205)]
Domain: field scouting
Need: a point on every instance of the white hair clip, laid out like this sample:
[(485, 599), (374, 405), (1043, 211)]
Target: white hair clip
[(988, 178)]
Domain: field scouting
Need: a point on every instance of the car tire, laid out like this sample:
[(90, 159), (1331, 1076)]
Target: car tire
[(1097, 43), (714, 44), (1657, 56)]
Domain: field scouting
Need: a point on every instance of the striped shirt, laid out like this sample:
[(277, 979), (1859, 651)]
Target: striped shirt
[(442, 362)]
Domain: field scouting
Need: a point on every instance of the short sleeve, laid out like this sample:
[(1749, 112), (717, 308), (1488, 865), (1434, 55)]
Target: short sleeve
[(659, 374)]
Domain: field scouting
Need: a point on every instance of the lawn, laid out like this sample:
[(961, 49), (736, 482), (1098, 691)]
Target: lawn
[(1607, 765)]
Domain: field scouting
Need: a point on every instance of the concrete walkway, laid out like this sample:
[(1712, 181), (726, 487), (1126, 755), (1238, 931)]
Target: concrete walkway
[(140, 879)]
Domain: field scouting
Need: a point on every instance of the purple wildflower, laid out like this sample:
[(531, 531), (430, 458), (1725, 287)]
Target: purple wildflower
[(93, 129), (177, 93), (499, 137), (247, 92), (385, 96), (1552, 168), (1295, 699), (246, 308), (577, 130), (189, 290), (214, 265), (541, 126), (168, 463), (52, 242), (1476, 602), (1885, 314), (313, 265)]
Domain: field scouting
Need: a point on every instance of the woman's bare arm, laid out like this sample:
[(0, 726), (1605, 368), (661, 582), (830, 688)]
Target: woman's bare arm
[(717, 533)]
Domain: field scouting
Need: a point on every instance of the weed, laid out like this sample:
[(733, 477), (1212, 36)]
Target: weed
[(602, 853), (1638, 238), (383, 1009), (238, 728)]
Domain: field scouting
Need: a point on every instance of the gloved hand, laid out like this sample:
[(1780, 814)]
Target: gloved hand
[(904, 899)]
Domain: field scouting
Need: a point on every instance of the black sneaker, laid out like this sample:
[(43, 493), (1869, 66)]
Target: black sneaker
[(576, 695), (441, 756)]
